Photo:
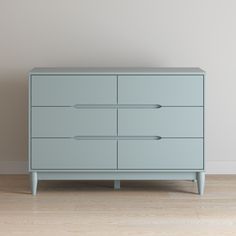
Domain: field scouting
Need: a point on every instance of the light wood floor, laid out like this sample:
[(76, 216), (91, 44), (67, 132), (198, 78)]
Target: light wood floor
[(160, 208)]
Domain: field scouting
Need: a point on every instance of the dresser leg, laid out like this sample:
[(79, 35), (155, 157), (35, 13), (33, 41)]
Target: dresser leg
[(116, 184), (34, 182), (201, 182)]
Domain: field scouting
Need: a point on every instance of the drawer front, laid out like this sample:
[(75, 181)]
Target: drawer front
[(164, 122), (160, 154), (73, 154), (70, 122), (164, 90), (69, 90)]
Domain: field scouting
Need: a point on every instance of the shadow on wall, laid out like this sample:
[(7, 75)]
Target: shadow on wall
[(13, 117)]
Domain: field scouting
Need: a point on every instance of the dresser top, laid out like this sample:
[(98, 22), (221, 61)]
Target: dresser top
[(117, 70)]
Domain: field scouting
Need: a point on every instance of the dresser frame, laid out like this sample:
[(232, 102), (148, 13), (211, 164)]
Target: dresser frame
[(115, 175)]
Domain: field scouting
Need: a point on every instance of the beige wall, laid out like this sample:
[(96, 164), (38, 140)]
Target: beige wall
[(119, 33)]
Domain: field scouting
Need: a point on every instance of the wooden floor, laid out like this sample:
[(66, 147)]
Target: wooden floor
[(160, 208)]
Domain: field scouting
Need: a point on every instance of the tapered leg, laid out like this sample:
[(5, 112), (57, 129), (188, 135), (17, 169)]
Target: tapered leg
[(201, 182), (34, 182), (116, 184)]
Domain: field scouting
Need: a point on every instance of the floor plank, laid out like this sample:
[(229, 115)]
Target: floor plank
[(163, 208)]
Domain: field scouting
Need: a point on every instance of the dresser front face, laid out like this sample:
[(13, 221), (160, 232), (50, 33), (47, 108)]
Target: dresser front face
[(72, 154), (69, 90), (165, 122), (165, 90), (169, 154), (70, 122), (116, 122)]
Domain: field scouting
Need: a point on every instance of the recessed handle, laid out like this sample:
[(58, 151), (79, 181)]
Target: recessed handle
[(114, 106), (76, 106), (77, 137)]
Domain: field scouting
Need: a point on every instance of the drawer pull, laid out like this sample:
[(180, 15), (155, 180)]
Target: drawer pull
[(117, 106), (117, 137), (77, 106)]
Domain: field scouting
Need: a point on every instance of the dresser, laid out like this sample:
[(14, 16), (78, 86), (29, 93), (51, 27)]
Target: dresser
[(116, 124)]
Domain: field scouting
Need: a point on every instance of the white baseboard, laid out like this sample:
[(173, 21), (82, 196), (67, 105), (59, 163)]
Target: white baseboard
[(221, 167), (13, 167), (212, 167)]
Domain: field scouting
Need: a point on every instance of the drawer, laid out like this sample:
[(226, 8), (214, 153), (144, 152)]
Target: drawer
[(164, 122), (160, 154), (165, 90), (52, 90), (70, 122), (73, 154)]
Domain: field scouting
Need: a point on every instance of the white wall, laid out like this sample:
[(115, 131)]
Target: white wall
[(119, 33)]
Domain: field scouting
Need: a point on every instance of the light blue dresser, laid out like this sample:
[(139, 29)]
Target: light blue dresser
[(116, 124)]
